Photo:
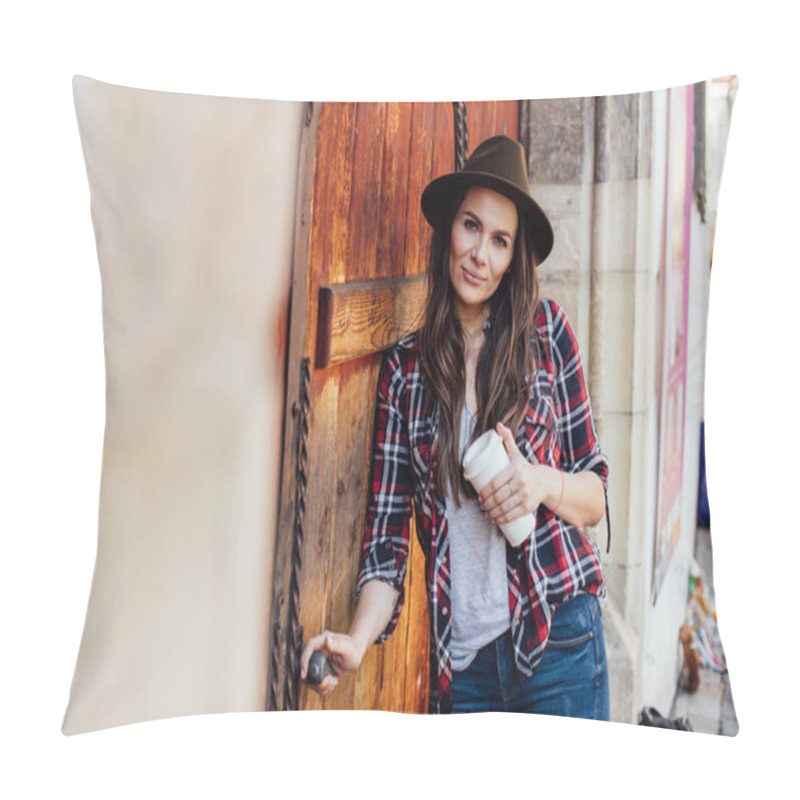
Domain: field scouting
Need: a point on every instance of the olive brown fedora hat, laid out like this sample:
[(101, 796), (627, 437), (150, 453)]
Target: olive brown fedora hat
[(498, 163)]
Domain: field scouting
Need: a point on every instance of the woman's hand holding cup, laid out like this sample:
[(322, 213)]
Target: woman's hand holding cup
[(518, 489)]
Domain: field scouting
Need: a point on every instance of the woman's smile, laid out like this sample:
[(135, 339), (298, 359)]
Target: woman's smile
[(471, 277)]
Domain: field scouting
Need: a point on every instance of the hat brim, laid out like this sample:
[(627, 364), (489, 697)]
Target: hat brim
[(439, 195)]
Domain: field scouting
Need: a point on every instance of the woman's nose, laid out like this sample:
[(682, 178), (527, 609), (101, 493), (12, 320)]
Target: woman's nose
[(479, 251)]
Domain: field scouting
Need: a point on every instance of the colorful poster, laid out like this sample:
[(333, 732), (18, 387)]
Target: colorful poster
[(674, 297)]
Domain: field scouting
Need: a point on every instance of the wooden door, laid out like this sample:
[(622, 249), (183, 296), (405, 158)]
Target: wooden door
[(361, 249)]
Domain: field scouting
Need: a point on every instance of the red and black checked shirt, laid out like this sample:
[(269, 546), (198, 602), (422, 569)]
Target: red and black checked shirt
[(554, 564)]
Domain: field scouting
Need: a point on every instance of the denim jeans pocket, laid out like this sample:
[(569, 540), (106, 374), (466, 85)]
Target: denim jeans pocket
[(573, 621)]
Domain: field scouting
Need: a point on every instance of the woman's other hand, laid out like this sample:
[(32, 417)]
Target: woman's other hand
[(345, 651), (521, 487), (342, 652)]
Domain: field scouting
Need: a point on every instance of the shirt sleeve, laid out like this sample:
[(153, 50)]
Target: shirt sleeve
[(580, 450), (384, 552)]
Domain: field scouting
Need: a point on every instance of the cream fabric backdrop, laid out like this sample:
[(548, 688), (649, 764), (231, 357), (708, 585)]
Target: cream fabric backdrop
[(193, 202)]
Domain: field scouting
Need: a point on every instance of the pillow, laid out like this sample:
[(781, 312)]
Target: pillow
[(238, 429)]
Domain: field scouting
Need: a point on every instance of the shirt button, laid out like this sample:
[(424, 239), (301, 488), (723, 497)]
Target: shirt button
[(444, 611)]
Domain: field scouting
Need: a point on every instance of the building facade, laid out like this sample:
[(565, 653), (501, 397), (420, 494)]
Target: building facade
[(631, 184)]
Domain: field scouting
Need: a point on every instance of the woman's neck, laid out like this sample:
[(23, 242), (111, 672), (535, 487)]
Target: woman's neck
[(472, 322), (473, 336)]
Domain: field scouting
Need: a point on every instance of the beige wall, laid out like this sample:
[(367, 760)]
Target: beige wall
[(193, 203)]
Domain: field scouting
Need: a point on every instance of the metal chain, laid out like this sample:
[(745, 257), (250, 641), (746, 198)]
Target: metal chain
[(294, 632), (274, 660), (460, 124)]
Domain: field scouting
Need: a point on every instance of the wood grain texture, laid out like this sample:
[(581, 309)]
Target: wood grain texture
[(327, 256), (485, 119), (362, 318), (363, 287)]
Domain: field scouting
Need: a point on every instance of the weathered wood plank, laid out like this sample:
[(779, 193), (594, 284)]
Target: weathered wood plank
[(421, 150), (379, 177), (363, 223), (485, 119), (361, 318), (328, 254), (356, 384), (390, 256), (331, 209)]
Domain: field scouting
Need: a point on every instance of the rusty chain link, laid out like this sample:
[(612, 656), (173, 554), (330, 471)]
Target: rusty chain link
[(293, 641), (460, 124)]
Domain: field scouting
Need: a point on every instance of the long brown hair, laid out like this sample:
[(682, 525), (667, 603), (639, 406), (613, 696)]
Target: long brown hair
[(506, 360)]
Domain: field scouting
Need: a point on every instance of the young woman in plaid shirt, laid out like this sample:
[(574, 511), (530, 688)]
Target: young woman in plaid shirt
[(512, 628)]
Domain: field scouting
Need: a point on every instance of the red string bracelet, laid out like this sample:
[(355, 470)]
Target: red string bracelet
[(555, 508)]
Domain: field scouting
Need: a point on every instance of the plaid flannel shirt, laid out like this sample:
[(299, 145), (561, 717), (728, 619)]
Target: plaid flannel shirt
[(554, 564)]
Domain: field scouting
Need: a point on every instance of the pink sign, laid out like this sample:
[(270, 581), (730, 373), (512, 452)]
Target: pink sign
[(674, 299)]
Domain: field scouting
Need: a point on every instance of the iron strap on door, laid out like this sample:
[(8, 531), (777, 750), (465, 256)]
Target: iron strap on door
[(293, 640), (461, 134)]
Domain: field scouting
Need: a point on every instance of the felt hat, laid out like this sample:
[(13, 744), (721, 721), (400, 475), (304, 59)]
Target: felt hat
[(498, 163)]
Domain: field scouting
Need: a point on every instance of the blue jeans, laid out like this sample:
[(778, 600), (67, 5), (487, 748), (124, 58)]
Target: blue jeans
[(570, 681)]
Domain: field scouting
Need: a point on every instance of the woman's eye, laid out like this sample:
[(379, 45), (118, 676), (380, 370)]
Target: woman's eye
[(500, 241), (469, 224)]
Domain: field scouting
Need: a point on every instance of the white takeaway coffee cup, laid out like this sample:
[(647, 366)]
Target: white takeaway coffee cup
[(484, 458)]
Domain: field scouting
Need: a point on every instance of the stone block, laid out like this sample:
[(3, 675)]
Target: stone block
[(628, 346), (568, 207), (625, 585), (625, 439), (699, 279), (571, 290), (645, 260), (617, 441), (558, 135), (585, 139), (617, 137), (644, 157), (615, 218)]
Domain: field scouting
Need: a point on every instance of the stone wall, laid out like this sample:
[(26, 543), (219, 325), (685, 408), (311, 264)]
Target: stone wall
[(596, 171)]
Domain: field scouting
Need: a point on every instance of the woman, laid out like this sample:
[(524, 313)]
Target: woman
[(512, 628)]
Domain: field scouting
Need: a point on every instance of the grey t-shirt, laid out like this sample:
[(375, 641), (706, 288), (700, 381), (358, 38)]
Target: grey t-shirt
[(478, 579)]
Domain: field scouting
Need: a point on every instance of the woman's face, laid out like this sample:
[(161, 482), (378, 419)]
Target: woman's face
[(481, 247)]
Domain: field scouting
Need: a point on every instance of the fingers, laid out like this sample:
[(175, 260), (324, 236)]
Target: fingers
[(328, 684), (326, 644), (508, 441), (506, 509), (514, 491), (496, 486), (503, 500), (314, 643), (508, 481), (505, 486), (336, 643), (341, 652)]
